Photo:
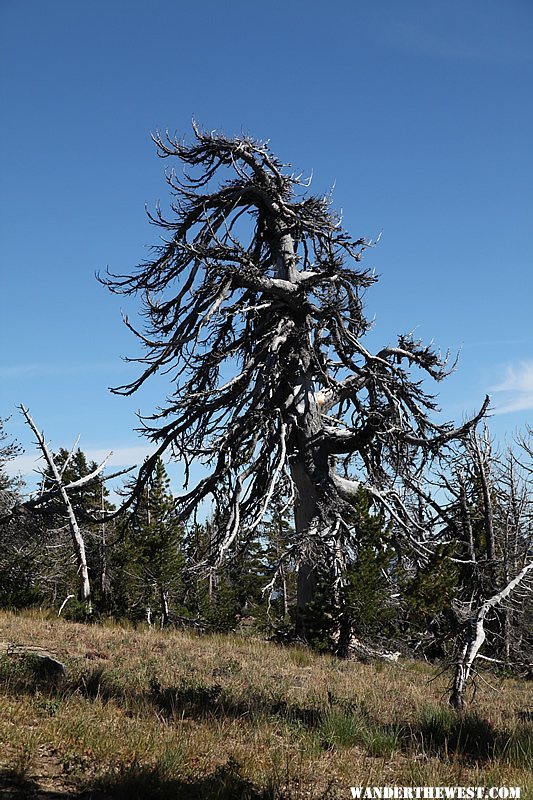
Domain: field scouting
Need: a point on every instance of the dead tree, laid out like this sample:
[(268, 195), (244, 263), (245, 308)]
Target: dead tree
[(485, 511), (55, 490), (475, 635), (254, 307)]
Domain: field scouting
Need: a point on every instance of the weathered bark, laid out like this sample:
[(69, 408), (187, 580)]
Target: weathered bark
[(358, 649), (309, 471), (305, 512)]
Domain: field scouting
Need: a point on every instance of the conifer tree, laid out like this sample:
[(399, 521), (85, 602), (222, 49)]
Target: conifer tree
[(155, 549), (9, 486), (220, 597), (17, 552)]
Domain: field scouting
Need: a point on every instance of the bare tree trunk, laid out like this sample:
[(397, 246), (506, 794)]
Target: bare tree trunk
[(63, 604), (476, 636), (165, 613), (507, 627), (77, 537), (284, 593), (304, 519), (104, 578), (305, 593), (210, 588), (467, 521)]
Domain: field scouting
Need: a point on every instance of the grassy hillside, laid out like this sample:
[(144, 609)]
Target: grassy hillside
[(149, 714)]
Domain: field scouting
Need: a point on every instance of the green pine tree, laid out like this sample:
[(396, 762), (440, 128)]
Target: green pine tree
[(20, 558), (155, 560), (222, 596), (354, 598)]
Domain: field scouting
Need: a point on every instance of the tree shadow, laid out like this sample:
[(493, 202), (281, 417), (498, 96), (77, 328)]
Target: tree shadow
[(439, 730), (15, 786), (205, 702), (140, 782), (446, 732)]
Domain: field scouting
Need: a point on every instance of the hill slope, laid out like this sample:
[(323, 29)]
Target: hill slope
[(150, 714)]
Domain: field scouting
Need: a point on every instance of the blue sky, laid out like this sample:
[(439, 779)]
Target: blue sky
[(419, 113)]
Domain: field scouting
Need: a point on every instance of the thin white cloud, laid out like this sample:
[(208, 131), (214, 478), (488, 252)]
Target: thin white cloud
[(463, 44), (122, 457), (516, 389), (43, 369), (492, 343)]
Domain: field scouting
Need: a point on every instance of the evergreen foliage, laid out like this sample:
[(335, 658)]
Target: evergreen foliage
[(357, 601), (154, 552), (223, 596), (20, 556)]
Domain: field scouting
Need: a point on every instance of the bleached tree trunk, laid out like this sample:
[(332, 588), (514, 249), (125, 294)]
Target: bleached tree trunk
[(284, 593), (104, 578), (476, 636), (309, 470), (76, 534), (165, 611)]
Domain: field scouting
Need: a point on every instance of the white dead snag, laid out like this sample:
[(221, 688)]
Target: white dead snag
[(165, 608), (359, 649), (76, 534), (63, 604), (476, 636)]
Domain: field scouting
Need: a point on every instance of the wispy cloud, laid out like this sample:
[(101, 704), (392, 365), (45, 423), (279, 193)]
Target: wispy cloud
[(516, 389), (53, 369), (453, 44), (491, 343), (122, 457)]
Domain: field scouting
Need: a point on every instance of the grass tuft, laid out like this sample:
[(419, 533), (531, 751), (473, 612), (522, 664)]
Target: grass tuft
[(517, 748), (342, 729)]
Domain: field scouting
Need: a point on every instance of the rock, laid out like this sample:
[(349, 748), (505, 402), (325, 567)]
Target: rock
[(43, 664), (48, 667)]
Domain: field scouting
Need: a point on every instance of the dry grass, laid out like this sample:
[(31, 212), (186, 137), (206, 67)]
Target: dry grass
[(156, 714)]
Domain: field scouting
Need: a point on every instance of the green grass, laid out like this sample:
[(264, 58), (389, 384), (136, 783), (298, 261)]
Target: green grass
[(354, 727)]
